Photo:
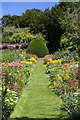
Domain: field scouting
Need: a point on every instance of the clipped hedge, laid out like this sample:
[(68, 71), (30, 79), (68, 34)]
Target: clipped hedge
[(38, 47)]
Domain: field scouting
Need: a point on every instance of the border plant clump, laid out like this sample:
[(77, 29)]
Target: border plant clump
[(14, 79), (62, 70)]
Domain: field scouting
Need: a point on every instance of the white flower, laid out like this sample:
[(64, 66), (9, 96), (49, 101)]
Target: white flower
[(9, 73), (7, 100), (11, 99), (11, 103), (15, 101), (8, 90), (15, 97)]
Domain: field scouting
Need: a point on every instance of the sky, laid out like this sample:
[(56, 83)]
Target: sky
[(17, 8), (29, 0)]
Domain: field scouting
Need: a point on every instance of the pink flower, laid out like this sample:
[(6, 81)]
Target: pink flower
[(71, 66), (35, 56), (47, 56)]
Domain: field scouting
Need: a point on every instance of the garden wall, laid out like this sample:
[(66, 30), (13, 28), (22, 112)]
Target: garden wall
[(14, 46)]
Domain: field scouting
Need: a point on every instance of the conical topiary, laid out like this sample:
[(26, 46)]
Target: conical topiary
[(38, 47)]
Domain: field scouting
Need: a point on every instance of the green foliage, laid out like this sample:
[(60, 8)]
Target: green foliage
[(25, 37), (45, 99), (8, 32), (10, 99), (59, 25), (14, 77), (70, 25), (19, 35), (64, 79), (0, 38), (10, 55), (19, 38), (38, 47), (64, 41)]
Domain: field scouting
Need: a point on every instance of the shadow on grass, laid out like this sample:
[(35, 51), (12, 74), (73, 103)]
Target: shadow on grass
[(25, 118), (59, 117)]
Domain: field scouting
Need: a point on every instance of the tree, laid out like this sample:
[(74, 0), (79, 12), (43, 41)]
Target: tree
[(6, 19), (70, 25)]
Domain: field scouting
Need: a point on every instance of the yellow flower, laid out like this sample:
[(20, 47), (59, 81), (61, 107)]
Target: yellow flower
[(9, 82), (59, 78), (54, 61), (3, 63), (10, 65), (47, 62), (29, 63), (21, 55), (22, 62), (22, 81), (76, 56), (67, 70), (33, 59), (57, 83), (51, 86), (59, 60), (50, 59), (23, 88), (60, 70), (13, 62), (55, 67), (17, 77), (15, 83), (63, 67), (67, 76), (3, 73), (44, 65), (54, 83)]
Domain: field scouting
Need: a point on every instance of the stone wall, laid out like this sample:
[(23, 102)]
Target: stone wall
[(14, 46)]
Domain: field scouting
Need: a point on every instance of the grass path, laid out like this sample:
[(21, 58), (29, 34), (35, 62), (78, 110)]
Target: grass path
[(37, 100)]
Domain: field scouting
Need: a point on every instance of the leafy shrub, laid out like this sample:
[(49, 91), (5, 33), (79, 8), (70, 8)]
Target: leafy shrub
[(10, 55), (63, 76), (38, 47), (10, 99), (63, 41), (8, 32), (14, 79), (66, 56), (19, 38), (25, 37)]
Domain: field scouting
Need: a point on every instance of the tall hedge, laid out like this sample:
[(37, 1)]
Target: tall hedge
[(38, 47)]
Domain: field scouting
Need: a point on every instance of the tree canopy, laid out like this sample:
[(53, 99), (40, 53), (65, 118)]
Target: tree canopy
[(58, 25)]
